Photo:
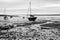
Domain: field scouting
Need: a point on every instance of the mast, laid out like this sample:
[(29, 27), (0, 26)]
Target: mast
[(30, 7), (5, 17)]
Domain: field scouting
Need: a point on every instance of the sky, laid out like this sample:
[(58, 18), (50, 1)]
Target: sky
[(22, 6)]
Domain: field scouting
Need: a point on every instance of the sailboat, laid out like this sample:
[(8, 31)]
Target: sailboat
[(31, 18)]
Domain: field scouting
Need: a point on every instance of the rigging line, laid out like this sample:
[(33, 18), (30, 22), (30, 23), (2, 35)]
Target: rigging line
[(30, 7)]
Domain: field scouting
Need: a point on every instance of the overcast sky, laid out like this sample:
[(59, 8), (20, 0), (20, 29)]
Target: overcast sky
[(37, 6)]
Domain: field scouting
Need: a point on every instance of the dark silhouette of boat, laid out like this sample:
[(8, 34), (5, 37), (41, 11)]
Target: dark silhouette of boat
[(32, 18)]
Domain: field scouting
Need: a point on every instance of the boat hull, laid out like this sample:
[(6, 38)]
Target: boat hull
[(32, 18)]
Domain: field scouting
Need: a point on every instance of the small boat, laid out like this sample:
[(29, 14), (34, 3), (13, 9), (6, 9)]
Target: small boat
[(32, 18)]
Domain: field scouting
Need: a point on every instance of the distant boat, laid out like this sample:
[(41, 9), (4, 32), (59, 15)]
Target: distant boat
[(32, 18)]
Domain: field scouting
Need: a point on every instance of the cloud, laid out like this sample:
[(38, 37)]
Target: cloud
[(10, 1), (47, 6), (22, 3)]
